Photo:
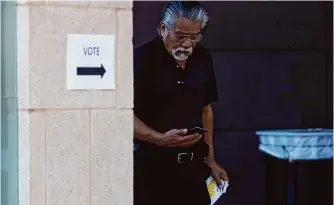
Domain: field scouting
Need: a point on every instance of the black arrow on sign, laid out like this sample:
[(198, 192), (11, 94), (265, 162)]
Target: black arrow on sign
[(91, 71)]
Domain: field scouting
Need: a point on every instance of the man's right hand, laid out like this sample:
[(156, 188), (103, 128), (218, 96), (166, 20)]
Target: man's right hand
[(176, 138)]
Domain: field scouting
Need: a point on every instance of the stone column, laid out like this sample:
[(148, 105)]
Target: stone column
[(75, 147)]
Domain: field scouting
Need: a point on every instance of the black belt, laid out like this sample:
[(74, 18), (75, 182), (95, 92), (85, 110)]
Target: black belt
[(170, 156), (182, 158)]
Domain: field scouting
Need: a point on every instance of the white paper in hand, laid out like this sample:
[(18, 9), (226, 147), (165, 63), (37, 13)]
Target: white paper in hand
[(214, 190), (224, 188)]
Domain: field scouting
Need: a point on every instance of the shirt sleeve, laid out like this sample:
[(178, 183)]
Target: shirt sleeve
[(138, 81), (211, 92)]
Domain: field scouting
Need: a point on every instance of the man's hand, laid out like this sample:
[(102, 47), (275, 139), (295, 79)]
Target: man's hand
[(176, 138), (218, 172)]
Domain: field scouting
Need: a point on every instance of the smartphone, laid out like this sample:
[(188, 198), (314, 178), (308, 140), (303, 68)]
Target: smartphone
[(198, 130)]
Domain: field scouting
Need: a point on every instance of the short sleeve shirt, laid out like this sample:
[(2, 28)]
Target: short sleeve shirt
[(167, 96)]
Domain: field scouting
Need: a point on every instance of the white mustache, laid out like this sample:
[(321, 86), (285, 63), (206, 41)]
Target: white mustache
[(182, 56), (183, 49)]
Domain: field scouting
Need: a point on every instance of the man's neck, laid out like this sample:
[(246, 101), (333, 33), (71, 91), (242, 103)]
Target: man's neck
[(182, 64)]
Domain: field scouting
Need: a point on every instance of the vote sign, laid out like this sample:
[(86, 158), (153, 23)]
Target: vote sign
[(90, 62)]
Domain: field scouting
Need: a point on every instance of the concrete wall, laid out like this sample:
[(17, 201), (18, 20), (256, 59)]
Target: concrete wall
[(75, 147)]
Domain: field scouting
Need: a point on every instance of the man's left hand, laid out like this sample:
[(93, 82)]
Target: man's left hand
[(218, 172)]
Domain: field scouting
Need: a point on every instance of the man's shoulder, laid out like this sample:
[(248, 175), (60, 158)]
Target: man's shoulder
[(142, 55), (201, 50), (145, 48)]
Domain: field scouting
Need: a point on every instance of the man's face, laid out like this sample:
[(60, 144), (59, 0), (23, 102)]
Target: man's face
[(181, 40)]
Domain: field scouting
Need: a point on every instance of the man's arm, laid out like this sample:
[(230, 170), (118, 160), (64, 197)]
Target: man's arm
[(218, 172), (207, 118), (172, 138), (143, 132), (211, 95)]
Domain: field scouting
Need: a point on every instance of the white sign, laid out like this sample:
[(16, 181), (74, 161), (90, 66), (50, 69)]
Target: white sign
[(90, 62)]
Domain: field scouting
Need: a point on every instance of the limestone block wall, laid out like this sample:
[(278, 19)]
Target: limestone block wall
[(75, 147)]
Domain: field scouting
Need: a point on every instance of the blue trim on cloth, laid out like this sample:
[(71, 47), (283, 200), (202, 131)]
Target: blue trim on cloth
[(294, 144)]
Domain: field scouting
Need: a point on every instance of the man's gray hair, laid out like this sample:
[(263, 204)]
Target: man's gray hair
[(190, 10)]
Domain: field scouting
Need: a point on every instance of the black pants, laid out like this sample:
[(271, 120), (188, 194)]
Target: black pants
[(159, 183), (310, 182)]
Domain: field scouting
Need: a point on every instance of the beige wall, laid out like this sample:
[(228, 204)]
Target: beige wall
[(75, 147)]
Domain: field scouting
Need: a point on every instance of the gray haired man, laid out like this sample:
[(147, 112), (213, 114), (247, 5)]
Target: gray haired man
[(174, 86)]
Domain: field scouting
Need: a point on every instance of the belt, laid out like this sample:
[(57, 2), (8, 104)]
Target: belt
[(170, 157)]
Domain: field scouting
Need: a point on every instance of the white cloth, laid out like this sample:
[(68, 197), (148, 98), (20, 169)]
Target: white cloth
[(307, 144)]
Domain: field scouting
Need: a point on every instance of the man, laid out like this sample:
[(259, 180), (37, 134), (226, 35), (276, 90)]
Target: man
[(174, 85)]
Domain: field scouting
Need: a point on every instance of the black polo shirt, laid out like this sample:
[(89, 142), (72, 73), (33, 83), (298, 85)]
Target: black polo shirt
[(167, 96)]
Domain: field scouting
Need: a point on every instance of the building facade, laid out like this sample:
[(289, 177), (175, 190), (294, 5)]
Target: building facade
[(60, 146)]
